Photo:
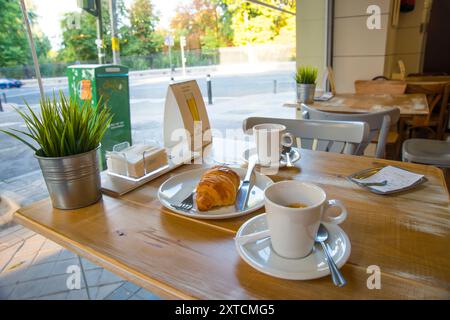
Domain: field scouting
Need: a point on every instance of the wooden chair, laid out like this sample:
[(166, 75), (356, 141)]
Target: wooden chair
[(379, 124), (329, 75), (402, 71), (329, 136), (437, 97), (380, 86)]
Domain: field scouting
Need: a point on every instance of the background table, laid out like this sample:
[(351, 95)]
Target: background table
[(409, 104), (406, 235)]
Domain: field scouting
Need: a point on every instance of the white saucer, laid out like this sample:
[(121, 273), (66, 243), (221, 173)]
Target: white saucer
[(295, 156), (178, 187), (262, 257)]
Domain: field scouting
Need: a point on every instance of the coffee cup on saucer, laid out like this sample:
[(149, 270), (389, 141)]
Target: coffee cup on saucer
[(269, 138), (295, 210)]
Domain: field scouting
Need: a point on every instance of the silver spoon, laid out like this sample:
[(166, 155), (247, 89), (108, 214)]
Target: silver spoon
[(287, 152), (336, 275)]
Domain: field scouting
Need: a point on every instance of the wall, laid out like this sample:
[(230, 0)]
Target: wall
[(311, 34), (406, 41), (358, 52)]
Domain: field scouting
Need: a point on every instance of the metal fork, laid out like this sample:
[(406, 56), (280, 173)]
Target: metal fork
[(374, 184), (185, 205)]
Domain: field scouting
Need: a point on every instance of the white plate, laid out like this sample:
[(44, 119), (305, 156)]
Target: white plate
[(178, 187), (261, 256), (295, 156)]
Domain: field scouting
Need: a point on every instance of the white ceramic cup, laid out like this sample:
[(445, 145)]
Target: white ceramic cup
[(269, 139), (293, 230)]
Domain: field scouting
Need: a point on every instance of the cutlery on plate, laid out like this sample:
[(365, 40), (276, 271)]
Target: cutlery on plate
[(187, 204), (336, 275), (252, 237), (246, 186)]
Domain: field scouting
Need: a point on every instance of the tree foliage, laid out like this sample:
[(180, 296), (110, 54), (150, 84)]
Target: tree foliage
[(140, 38), (256, 24), (205, 23), (14, 49), (80, 32)]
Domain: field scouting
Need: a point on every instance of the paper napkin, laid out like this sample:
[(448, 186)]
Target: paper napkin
[(396, 179)]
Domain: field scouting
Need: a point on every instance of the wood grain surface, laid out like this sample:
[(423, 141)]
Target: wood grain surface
[(406, 235)]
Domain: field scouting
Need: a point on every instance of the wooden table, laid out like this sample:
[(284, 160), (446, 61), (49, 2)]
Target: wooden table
[(407, 236), (409, 104)]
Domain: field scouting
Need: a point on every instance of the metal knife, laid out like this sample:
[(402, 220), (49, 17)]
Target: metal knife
[(246, 186)]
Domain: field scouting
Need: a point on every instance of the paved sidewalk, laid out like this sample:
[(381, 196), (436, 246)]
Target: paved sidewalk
[(33, 267)]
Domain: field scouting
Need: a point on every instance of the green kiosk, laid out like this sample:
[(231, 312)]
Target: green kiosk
[(110, 82)]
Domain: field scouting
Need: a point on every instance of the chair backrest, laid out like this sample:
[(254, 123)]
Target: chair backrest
[(417, 77), (330, 75), (379, 123), (402, 68), (329, 136), (380, 86)]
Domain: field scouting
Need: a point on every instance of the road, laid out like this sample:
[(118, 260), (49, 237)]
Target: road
[(223, 86), (147, 96)]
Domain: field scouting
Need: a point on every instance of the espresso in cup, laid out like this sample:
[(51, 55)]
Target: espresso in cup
[(295, 210), (297, 205)]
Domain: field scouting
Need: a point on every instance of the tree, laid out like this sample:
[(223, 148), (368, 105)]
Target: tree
[(140, 38), (14, 49), (205, 23), (256, 24), (43, 47), (13, 42), (79, 34)]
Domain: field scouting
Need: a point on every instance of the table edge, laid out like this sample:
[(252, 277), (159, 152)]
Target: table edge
[(107, 263)]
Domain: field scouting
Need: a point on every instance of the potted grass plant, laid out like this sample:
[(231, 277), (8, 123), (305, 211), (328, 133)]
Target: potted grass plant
[(306, 77), (65, 137)]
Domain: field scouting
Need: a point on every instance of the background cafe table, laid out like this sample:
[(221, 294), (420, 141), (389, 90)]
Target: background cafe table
[(410, 105), (405, 235)]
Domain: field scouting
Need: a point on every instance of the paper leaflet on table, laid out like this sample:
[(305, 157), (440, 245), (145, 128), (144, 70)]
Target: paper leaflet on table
[(396, 179)]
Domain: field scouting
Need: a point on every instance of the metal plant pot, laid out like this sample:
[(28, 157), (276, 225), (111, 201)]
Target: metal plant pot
[(305, 93), (73, 181)]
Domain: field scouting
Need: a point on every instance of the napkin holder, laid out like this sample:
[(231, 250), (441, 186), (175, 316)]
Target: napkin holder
[(116, 184), (121, 159), (186, 121)]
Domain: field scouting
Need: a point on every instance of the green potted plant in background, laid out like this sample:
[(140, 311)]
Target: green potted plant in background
[(68, 136), (306, 77)]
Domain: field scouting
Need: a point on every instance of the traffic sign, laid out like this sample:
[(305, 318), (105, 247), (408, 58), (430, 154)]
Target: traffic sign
[(168, 41)]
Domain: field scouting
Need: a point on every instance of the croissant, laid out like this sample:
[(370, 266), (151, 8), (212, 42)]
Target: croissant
[(218, 186)]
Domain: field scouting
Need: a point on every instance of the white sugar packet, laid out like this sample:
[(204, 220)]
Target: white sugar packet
[(396, 179)]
